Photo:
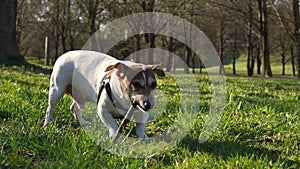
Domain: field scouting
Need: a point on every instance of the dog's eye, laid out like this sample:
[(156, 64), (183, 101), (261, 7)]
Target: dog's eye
[(153, 85), (137, 85)]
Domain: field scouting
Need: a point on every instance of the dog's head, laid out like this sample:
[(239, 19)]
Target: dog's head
[(138, 82)]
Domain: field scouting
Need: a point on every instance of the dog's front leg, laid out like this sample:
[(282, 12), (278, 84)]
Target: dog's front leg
[(108, 121), (140, 130), (141, 119)]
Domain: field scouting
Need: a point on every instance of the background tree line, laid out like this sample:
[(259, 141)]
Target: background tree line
[(261, 29)]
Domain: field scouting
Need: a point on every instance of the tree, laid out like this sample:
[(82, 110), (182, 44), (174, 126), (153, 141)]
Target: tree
[(24, 16), (59, 20), (293, 60), (264, 39), (148, 6), (8, 41), (243, 14), (250, 57), (91, 10), (297, 31), (281, 44), (176, 7), (217, 28), (287, 35)]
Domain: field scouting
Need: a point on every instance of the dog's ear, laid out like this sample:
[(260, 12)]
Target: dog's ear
[(120, 69), (111, 67), (158, 70)]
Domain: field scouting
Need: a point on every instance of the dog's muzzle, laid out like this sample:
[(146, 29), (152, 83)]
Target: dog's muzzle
[(142, 105), (146, 105)]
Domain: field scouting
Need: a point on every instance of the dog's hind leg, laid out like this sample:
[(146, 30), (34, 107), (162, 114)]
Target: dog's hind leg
[(60, 83), (58, 87), (54, 96), (75, 109)]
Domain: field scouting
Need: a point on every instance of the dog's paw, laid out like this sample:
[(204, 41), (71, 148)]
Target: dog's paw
[(143, 136), (113, 134), (85, 123), (48, 120)]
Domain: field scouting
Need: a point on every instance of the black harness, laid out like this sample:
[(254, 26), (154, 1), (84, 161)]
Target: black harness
[(105, 85)]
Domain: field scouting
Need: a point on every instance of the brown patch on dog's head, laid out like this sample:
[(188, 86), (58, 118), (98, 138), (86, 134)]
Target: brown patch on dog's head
[(137, 67), (111, 67), (138, 81), (158, 70), (155, 68)]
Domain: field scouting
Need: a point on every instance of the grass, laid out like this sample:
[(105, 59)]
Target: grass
[(259, 128)]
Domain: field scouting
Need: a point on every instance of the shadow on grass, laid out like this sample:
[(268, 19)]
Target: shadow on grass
[(26, 66), (227, 149)]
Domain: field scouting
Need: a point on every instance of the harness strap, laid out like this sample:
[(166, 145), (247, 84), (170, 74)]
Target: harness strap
[(105, 85)]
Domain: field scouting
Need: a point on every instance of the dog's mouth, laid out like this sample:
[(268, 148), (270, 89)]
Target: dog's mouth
[(141, 109), (142, 106)]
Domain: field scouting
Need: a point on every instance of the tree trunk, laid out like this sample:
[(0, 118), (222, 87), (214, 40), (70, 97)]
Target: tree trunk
[(234, 53), (148, 6), (152, 46), (297, 33), (298, 58), (250, 55), (193, 63), (221, 50), (92, 14), (233, 65), (264, 37), (252, 63), (137, 47), (200, 66), (63, 38), (171, 50), (56, 44), (283, 64), (258, 58), (266, 60), (65, 24), (174, 64), (56, 32), (92, 22), (164, 47), (8, 39), (293, 61), (188, 55), (71, 29), (71, 37), (283, 59), (250, 41)]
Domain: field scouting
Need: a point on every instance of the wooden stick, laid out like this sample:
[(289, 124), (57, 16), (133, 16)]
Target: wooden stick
[(125, 121)]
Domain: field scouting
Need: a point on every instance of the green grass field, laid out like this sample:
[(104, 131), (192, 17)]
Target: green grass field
[(259, 128)]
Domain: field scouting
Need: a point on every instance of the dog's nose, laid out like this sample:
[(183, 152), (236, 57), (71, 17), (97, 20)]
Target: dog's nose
[(147, 105)]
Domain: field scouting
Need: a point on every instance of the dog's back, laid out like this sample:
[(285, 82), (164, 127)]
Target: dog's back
[(76, 73), (77, 64)]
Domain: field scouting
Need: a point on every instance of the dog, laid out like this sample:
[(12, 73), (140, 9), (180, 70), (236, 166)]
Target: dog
[(82, 74)]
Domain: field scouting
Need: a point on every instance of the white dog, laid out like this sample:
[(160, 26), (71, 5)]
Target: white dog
[(113, 84)]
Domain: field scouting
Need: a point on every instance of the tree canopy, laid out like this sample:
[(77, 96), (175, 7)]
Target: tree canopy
[(261, 29)]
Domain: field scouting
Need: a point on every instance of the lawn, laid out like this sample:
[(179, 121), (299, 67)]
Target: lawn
[(259, 128)]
